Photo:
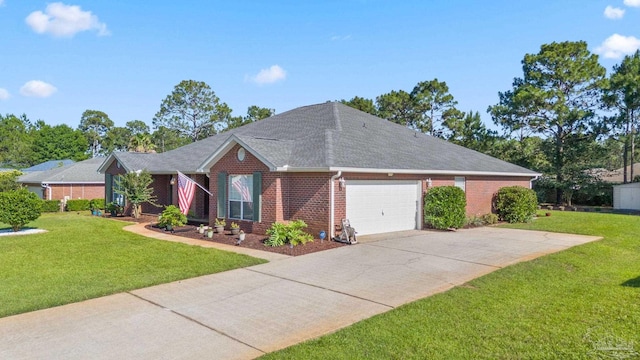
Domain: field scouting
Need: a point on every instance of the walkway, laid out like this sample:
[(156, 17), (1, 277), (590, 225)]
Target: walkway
[(244, 313)]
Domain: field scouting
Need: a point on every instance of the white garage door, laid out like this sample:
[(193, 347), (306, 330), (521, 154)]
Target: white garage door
[(382, 206)]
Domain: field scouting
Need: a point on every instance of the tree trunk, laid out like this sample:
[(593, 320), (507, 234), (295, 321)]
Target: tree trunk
[(633, 145)]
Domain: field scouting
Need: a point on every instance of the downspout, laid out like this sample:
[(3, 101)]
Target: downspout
[(333, 203), (46, 186)]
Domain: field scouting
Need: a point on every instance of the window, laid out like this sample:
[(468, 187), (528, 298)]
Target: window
[(460, 182), (115, 197), (241, 197)]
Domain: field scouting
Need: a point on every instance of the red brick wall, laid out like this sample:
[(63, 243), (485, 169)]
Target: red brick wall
[(309, 197), (162, 190), (75, 191), (480, 191)]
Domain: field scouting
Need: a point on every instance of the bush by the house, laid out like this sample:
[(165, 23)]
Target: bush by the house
[(444, 207), (516, 204), (292, 233), (50, 205), (490, 219), (19, 207), (96, 204), (78, 205), (172, 216)]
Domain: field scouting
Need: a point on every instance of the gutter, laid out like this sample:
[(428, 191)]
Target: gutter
[(333, 205)]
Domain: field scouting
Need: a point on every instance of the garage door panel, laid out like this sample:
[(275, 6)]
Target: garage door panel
[(382, 206)]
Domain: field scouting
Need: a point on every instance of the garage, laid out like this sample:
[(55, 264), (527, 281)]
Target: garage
[(383, 206)]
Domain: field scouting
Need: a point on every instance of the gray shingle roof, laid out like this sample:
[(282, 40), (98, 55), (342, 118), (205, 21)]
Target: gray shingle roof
[(328, 137), (48, 165), (80, 172)]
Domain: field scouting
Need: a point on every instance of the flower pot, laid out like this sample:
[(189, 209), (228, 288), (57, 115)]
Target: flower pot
[(210, 233), (169, 227), (220, 229), (235, 231), (241, 236), (201, 229)]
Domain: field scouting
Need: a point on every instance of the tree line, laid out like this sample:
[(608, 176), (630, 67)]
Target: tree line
[(561, 117)]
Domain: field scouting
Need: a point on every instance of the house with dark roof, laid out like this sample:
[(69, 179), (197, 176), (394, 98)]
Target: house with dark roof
[(321, 163), (48, 165), (76, 180)]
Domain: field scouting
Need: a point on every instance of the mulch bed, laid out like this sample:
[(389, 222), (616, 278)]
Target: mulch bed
[(251, 241)]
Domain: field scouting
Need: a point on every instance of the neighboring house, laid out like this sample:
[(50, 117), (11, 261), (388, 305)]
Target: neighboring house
[(79, 180), (48, 165), (321, 163), (616, 176)]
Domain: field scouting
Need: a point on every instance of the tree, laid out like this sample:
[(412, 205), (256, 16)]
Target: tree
[(470, 132), (117, 139), (137, 127), (141, 142), (19, 207), (192, 110), (15, 141), (94, 125), (557, 98), (9, 180), (136, 188), (622, 94), (165, 139), (397, 107), (361, 104), (433, 106), (57, 143), (254, 113)]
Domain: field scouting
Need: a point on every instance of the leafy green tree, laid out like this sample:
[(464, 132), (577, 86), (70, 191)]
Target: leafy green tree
[(15, 141), (557, 97), (19, 207), (94, 125), (137, 127), (136, 188), (9, 180), (433, 106), (362, 104), (527, 152), (622, 94), (470, 132), (397, 107), (141, 142), (254, 113), (165, 139), (57, 143), (192, 110), (117, 139)]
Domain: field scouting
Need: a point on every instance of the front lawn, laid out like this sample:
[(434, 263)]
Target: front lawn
[(583, 303), (83, 257)]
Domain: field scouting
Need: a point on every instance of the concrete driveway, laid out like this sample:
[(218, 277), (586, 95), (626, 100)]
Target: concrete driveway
[(244, 313)]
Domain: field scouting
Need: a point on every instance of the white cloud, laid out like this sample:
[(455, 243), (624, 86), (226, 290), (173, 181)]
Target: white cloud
[(64, 21), (616, 46), (269, 76), (613, 13), (4, 94), (37, 88), (340, 37), (632, 3)]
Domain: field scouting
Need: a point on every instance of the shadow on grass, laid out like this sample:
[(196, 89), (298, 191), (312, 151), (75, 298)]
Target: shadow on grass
[(632, 282)]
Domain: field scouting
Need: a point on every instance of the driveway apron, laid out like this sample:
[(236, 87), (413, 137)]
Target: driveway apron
[(243, 313)]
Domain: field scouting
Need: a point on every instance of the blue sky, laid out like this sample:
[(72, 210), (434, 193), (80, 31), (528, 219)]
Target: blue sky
[(124, 57)]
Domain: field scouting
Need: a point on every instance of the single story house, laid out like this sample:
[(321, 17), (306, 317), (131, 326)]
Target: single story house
[(48, 165), (76, 180), (320, 163)]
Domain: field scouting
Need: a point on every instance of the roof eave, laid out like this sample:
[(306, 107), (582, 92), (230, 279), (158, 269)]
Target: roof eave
[(226, 146), (287, 168)]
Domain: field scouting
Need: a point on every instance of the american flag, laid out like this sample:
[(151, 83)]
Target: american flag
[(186, 190)]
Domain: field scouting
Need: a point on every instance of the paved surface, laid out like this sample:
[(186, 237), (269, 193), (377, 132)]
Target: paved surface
[(244, 313)]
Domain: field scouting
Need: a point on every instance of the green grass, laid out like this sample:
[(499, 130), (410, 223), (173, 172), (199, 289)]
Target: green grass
[(83, 257), (583, 303)]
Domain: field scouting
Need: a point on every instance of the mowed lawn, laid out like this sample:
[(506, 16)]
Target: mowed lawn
[(583, 303), (83, 257)]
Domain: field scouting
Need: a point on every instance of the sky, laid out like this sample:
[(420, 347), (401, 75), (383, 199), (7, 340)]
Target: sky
[(124, 57)]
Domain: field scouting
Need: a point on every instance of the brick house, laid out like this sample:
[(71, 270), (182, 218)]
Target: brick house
[(321, 163), (79, 180)]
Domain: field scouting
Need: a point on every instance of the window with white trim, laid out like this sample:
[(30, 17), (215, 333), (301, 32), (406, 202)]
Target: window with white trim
[(241, 197), (460, 182)]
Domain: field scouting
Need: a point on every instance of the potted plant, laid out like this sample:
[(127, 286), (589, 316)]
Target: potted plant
[(209, 232), (219, 225), (94, 206), (114, 208), (241, 237), (235, 229), (201, 229), (171, 217)]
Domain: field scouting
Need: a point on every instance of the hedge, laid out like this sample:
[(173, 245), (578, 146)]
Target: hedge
[(51, 206), (77, 205), (516, 204), (445, 207)]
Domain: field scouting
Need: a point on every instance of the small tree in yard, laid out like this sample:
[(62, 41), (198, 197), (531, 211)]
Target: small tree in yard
[(444, 207), (136, 188), (19, 207), (516, 204), (9, 180)]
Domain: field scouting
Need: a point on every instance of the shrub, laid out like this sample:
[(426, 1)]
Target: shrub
[(9, 180), (50, 205), (172, 216), (78, 205), (96, 204), (292, 233), (19, 207), (444, 207), (516, 204), (490, 219)]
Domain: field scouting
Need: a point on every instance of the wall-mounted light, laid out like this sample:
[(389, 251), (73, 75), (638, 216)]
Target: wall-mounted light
[(172, 181), (342, 182), (429, 182)]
